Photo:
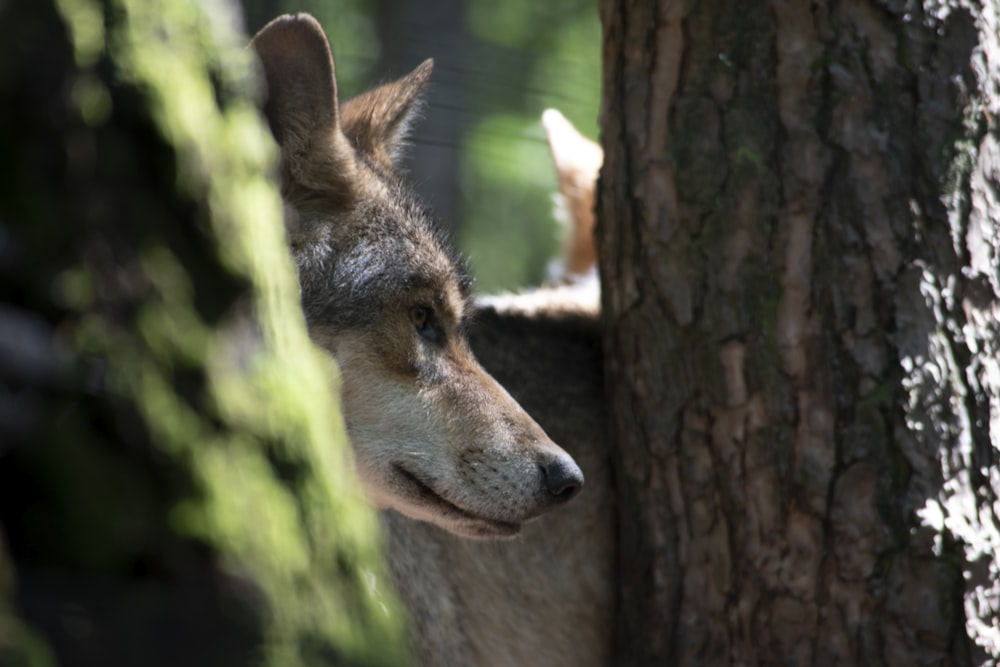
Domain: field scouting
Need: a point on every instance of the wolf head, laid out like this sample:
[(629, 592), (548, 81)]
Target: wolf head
[(434, 436)]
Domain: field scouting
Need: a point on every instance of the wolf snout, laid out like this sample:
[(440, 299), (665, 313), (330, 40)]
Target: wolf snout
[(563, 478)]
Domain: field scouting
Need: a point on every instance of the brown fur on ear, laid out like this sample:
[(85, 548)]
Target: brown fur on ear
[(376, 121), (301, 106), (578, 163)]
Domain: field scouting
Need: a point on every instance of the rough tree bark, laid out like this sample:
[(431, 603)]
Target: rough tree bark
[(798, 231)]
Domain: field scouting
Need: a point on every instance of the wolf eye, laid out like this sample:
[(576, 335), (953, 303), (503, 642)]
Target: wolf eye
[(420, 316), (423, 320)]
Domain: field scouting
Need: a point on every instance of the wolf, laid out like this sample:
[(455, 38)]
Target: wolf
[(463, 475), (545, 599), (435, 437), (577, 162)]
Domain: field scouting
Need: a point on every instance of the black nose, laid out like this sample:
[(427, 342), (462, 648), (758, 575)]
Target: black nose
[(563, 478)]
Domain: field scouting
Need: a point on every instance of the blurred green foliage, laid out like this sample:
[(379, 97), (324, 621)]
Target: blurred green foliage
[(522, 57)]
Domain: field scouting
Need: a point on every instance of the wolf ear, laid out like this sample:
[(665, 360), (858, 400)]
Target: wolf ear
[(578, 163), (301, 105), (376, 122)]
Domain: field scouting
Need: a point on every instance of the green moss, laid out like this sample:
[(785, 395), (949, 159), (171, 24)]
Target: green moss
[(747, 156), (217, 422), (86, 27)]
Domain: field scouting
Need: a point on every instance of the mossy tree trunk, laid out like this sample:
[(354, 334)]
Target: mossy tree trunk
[(799, 247), (175, 486)]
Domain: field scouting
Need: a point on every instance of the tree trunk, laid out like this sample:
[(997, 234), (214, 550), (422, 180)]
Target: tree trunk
[(175, 487), (798, 233)]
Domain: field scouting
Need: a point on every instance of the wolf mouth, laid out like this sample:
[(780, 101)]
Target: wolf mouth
[(426, 494)]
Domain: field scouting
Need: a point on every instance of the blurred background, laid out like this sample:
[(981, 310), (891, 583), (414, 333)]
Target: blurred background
[(478, 156)]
